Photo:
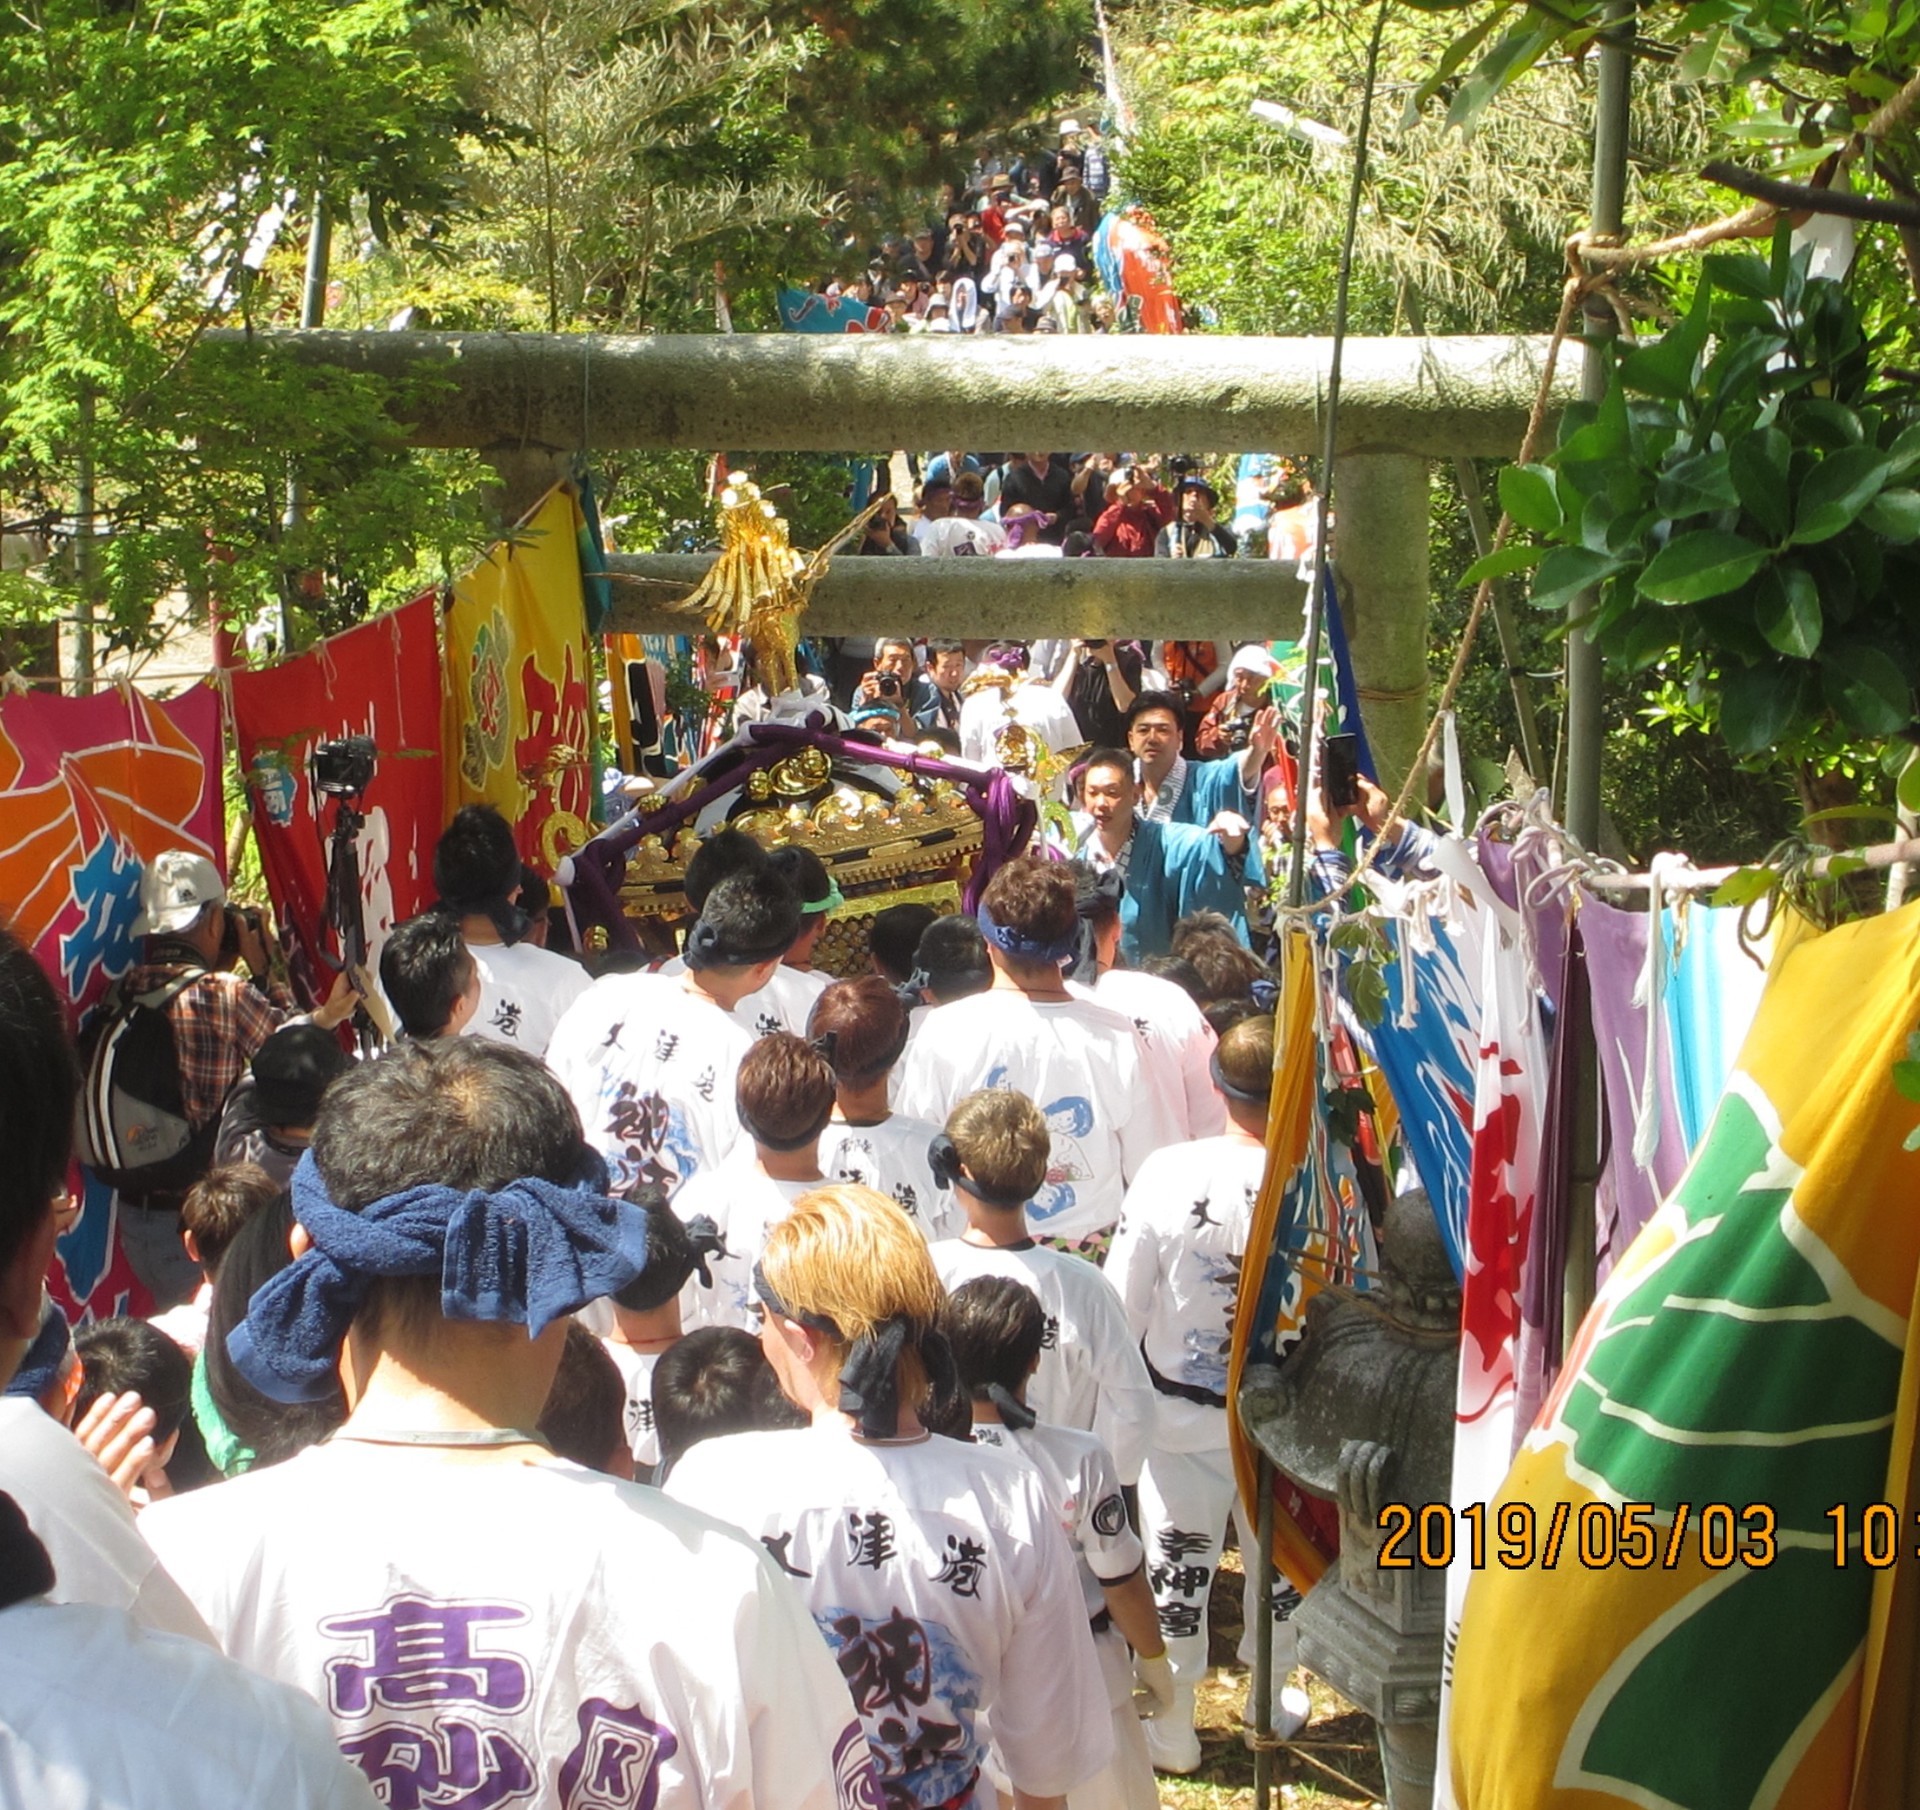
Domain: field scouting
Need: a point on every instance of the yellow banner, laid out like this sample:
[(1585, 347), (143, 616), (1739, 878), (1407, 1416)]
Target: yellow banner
[(517, 718), (1697, 1577)]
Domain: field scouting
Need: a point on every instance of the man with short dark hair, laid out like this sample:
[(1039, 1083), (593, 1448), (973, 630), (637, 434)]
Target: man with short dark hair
[(1176, 1263), (506, 1619), (784, 1094), (525, 990), (1079, 1062), (429, 976), (651, 1059), (1169, 869), (1174, 789), (1055, 490), (935, 697)]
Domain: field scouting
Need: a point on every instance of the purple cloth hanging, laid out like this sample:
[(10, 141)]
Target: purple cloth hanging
[(1616, 944)]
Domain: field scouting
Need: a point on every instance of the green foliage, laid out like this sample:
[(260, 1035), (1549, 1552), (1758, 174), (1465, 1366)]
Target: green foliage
[(1743, 499), (1472, 228), (141, 153), (904, 90)]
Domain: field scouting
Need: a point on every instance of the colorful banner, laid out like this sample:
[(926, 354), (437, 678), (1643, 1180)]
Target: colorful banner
[(516, 723), (90, 790), (1309, 1228), (806, 311), (1132, 260), (382, 680), (1698, 1588)]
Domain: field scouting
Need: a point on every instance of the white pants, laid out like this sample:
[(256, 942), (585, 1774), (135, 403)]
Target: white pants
[(1126, 1782), (1185, 1498)]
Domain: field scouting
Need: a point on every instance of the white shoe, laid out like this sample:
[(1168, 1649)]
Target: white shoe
[(1291, 1711), (1172, 1744)]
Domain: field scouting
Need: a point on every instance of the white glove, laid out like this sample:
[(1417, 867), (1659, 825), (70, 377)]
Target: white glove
[(1152, 1684)]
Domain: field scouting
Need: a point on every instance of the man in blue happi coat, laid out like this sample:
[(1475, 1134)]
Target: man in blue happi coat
[(1170, 869), (1176, 790)]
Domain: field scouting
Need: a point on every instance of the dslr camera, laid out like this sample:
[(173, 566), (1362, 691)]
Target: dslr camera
[(237, 918), (887, 684), (343, 768)]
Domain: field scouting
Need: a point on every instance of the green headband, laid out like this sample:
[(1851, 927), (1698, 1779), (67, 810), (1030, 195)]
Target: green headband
[(811, 907)]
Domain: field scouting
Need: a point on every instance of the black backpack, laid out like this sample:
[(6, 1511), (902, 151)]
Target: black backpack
[(131, 1127)]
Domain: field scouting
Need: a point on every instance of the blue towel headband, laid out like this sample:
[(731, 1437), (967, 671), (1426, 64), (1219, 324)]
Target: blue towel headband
[(526, 1254), (1027, 948)]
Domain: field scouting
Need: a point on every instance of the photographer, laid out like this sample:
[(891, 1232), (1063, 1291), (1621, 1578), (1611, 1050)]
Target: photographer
[(884, 534), (1228, 726), (218, 1020), (967, 253), (1196, 535), (1099, 681), (886, 686)]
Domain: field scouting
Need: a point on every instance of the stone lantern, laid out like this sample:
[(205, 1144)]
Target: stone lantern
[(1361, 1413)]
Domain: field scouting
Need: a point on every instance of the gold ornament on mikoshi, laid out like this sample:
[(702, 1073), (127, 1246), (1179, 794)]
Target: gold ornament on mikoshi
[(757, 587)]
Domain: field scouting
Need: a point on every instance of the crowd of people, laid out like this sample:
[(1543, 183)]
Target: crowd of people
[(692, 1381), (1010, 250), (1092, 505)]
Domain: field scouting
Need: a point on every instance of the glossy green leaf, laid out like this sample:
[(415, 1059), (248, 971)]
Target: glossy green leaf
[(1786, 604), (1758, 465), (1895, 514), (1565, 573), (1699, 484), (1527, 494), (1501, 563), (1708, 562), (1904, 454), (1827, 424), (1739, 274), (1757, 705), (1665, 368), (1907, 787), (1835, 492), (1866, 687)]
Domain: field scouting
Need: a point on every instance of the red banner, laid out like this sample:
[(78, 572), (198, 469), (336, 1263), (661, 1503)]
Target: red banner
[(90, 790), (382, 680)]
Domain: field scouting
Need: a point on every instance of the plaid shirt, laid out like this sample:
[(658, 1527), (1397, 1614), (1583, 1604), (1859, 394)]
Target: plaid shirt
[(219, 1024)]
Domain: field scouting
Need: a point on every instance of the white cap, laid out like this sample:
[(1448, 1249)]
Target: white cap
[(1064, 262), (1068, 127), (1255, 659), (174, 889)]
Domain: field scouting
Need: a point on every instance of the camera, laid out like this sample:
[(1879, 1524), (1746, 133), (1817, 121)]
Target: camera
[(237, 918), (1182, 466), (1091, 645), (343, 768), (887, 684)]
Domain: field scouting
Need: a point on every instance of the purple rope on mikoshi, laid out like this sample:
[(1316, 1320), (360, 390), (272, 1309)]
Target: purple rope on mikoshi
[(1007, 820)]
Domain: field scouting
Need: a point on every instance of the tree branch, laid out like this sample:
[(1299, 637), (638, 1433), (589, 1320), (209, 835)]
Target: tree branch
[(1797, 198)]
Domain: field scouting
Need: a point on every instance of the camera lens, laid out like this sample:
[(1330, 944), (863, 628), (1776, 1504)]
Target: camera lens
[(889, 685)]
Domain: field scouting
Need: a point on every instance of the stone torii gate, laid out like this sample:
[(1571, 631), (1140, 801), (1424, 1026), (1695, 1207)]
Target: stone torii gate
[(529, 402)]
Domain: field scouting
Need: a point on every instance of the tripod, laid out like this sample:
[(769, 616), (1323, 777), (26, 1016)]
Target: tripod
[(343, 916)]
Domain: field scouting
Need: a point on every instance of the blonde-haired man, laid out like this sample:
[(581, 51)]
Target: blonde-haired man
[(936, 1570)]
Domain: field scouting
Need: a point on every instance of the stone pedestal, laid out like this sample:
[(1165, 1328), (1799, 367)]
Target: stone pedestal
[(1360, 1413)]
